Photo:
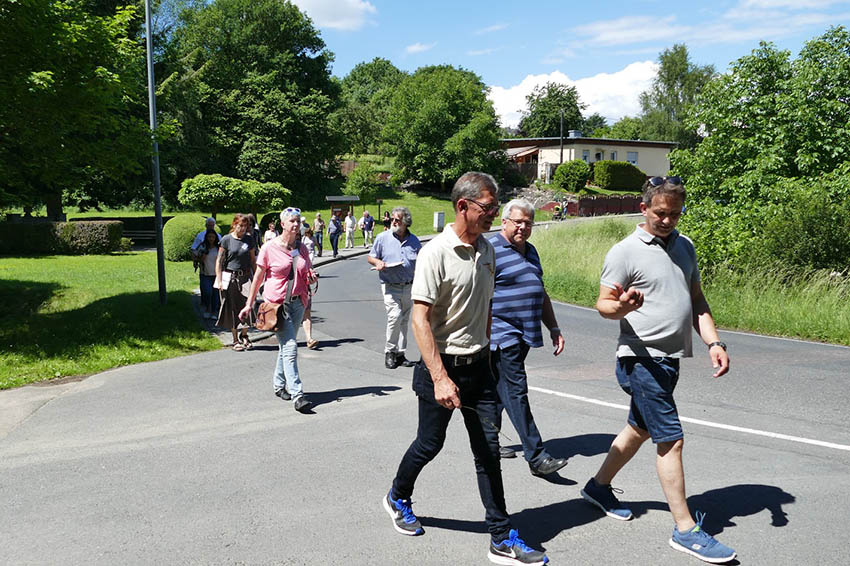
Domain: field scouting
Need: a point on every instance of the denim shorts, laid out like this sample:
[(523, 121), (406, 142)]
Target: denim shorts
[(650, 383)]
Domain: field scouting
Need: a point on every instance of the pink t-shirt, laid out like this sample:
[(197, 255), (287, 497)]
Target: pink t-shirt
[(276, 262)]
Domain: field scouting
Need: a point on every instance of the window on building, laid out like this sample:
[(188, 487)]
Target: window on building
[(631, 157), (585, 154), (613, 156)]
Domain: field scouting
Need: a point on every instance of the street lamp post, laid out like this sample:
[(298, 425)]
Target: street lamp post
[(160, 254), (562, 136)]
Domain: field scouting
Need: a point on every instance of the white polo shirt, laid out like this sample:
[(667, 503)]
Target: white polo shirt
[(457, 279)]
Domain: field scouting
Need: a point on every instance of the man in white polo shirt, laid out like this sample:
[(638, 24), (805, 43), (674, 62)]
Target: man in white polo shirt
[(452, 289), (651, 284)]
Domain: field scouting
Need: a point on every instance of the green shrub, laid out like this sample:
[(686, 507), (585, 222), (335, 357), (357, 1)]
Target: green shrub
[(126, 245), (362, 182), (618, 175), (218, 193), (64, 238), (178, 235), (572, 175)]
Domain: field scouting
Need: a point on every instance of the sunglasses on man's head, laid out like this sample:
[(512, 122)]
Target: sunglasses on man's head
[(292, 211), (658, 181)]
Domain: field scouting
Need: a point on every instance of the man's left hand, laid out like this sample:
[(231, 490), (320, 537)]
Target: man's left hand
[(719, 360), (557, 341)]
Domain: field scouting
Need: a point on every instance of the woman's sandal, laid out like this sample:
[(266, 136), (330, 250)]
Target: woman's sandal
[(312, 344), (246, 343), (237, 347)]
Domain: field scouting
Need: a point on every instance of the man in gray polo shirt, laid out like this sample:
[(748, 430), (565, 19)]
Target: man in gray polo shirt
[(393, 256), (452, 289), (650, 283)]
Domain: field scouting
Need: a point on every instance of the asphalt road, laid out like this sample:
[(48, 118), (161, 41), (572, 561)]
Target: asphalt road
[(194, 461)]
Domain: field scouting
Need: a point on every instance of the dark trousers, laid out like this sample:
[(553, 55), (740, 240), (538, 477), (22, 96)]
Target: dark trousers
[(479, 401), (334, 242), (512, 386), (209, 296)]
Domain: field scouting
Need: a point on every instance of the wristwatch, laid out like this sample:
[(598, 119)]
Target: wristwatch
[(718, 343)]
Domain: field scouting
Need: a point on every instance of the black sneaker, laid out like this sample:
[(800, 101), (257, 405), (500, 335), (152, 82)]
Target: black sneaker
[(282, 393), (505, 452), (400, 360), (404, 521), (548, 466), (513, 550), (302, 404), (390, 361)]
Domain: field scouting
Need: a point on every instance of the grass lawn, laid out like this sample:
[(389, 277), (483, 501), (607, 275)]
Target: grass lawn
[(811, 307), (76, 315)]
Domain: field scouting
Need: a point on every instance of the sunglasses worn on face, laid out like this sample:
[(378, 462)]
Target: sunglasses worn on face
[(487, 209), (658, 181)]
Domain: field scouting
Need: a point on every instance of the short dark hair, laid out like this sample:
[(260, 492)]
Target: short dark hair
[(670, 187), (470, 185)]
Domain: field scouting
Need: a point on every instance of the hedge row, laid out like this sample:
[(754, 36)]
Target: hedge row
[(64, 238), (618, 175), (178, 235)]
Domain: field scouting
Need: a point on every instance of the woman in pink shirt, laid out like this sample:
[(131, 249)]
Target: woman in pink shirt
[(286, 268)]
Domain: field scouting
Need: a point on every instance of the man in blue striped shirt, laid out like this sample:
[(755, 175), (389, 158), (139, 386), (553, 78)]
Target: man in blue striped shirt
[(519, 304)]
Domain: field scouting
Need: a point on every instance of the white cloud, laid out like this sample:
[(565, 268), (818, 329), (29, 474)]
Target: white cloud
[(612, 95), (419, 47), (338, 14), (491, 29), (625, 30), (558, 55), (792, 4), (477, 52)]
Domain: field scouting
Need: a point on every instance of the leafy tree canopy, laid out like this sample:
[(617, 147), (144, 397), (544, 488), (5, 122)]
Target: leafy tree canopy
[(250, 83), (674, 89), (440, 124), (67, 105), (542, 117)]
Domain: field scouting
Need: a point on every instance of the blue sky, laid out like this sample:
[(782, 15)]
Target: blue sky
[(607, 50)]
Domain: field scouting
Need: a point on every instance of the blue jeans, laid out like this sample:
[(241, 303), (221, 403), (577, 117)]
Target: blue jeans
[(318, 237), (479, 399), (286, 370), (334, 242), (650, 383), (209, 296), (512, 385)]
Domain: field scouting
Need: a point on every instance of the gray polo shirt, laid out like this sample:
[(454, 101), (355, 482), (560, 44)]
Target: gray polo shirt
[(457, 280), (666, 275)]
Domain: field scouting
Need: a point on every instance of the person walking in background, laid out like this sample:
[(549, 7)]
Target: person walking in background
[(651, 283), (394, 257), (519, 304), (199, 237), (319, 231), (350, 226), (285, 268), (236, 261), (270, 234), (387, 220), (309, 243), (334, 231), (368, 227), (208, 252), (452, 288), (254, 232)]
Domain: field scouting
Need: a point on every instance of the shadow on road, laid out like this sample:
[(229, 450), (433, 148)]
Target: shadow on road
[(324, 397), (579, 445), (723, 504)]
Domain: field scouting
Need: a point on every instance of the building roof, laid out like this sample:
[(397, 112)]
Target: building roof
[(521, 151), (343, 198), (528, 143)]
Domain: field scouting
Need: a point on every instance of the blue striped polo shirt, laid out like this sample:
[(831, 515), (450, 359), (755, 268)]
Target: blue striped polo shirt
[(518, 296)]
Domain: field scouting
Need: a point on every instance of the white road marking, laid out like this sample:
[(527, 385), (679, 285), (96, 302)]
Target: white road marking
[(733, 428)]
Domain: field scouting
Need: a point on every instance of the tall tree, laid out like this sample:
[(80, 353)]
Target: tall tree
[(441, 124), (592, 123), (542, 116), (67, 112), (674, 89), (366, 92), (251, 86)]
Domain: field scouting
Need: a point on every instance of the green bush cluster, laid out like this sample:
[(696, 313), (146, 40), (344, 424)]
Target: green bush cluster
[(618, 175), (218, 193), (362, 182), (178, 235), (572, 176), (64, 238)]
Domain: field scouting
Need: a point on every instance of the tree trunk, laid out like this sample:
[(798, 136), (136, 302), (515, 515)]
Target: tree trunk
[(54, 207)]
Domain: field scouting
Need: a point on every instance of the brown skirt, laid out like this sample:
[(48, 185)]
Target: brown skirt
[(233, 300)]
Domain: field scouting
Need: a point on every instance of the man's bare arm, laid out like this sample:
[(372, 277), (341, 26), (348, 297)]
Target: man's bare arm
[(617, 303), (550, 322), (704, 325), (445, 390)]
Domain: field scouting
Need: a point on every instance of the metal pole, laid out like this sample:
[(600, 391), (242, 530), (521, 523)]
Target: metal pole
[(157, 197), (562, 136)]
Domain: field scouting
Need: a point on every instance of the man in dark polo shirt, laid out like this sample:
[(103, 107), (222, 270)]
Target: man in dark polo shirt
[(651, 284), (519, 304), (452, 289)]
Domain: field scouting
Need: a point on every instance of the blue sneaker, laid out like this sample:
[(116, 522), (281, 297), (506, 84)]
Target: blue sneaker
[(699, 543), (404, 521), (603, 497), (513, 550)]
